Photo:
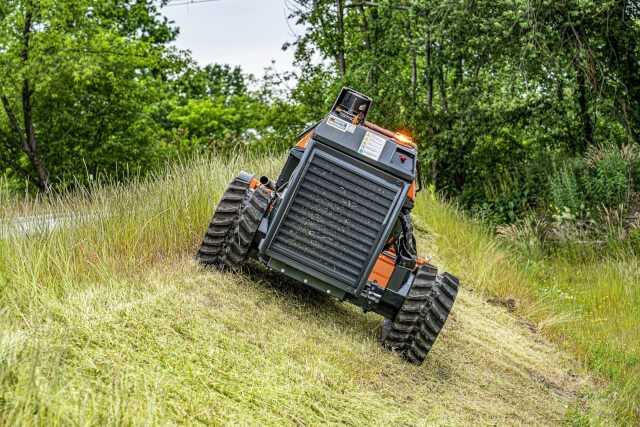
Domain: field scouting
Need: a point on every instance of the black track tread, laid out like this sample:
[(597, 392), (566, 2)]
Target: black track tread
[(433, 319), (211, 249), (239, 239), (407, 319)]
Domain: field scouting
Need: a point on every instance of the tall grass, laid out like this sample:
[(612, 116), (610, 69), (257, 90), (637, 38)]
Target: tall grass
[(116, 228), (589, 304)]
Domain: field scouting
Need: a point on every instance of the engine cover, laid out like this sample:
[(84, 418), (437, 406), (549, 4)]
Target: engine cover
[(335, 217)]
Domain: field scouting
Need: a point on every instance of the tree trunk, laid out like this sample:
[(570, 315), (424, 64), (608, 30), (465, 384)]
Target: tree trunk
[(414, 59), (631, 79), (583, 112), (428, 72), (29, 141), (414, 75), (373, 74), (459, 72), (365, 27), (443, 90), (340, 54)]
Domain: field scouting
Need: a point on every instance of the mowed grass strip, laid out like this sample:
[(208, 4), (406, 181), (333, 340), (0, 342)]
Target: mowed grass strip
[(184, 345)]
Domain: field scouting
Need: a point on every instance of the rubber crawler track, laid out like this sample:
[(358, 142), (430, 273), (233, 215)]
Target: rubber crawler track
[(212, 247), (432, 321), (406, 321), (239, 239), (422, 316)]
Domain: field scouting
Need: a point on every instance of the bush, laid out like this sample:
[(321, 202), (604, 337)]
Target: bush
[(608, 176), (634, 240), (601, 181), (565, 191), (635, 175)]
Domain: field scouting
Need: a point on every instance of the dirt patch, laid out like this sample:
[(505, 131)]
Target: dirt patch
[(509, 303)]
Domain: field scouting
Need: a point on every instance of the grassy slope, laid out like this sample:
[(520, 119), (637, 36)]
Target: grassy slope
[(112, 322), (591, 307)]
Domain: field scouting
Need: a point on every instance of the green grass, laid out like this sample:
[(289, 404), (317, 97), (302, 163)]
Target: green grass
[(587, 302), (111, 322)]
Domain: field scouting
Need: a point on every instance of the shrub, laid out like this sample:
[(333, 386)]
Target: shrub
[(634, 240), (608, 179), (603, 180), (501, 200), (635, 172), (565, 191)]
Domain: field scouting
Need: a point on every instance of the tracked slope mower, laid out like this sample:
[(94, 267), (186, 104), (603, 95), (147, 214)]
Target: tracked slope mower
[(338, 219)]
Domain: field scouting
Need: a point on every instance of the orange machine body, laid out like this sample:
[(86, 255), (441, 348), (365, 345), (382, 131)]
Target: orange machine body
[(383, 269)]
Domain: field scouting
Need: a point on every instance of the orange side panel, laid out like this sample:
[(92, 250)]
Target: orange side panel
[(405, 140), (383, 269), (412, 191), (304, 140), (380, 129)]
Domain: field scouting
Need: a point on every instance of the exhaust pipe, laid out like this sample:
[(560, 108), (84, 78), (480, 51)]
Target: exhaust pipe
[(264, 180)]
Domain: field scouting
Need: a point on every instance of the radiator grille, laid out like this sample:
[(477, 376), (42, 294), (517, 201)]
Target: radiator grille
[(336, 218)]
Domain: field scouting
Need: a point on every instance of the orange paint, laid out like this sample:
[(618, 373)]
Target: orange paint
[(254, 183), (383, 269), (379, 129), (405, 140), (304, 140), (422, 261), (399, 137), (413, 189)]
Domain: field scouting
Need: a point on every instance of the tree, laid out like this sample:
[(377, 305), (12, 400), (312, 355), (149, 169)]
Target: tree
[(508, 86), (76, 76)]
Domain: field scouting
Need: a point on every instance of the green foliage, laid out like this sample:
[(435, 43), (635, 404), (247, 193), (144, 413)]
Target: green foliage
[(635, 175), (634, 240), (603, 179), (609, 178), (78, 79), (503, 201), (214, 120), (493, 91), (565, 192), (108, 97), (216, 112), (213, 80)]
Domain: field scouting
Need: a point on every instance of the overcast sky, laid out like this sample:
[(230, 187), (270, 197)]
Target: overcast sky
[(249, 33)]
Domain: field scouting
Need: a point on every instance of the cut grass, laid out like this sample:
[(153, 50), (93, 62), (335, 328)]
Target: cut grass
[(110, 322), (180, 345), (590, 306)]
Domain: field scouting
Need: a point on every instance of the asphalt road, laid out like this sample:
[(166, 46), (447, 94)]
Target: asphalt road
[(29, 225)]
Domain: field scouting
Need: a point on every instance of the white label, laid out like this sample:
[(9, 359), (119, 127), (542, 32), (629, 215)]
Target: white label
[(372, 145), (341, 125)]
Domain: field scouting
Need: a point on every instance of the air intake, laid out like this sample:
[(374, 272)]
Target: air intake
[(336, 217)]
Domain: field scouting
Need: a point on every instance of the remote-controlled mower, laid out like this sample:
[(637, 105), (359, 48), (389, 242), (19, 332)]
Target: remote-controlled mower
[(338, 219)]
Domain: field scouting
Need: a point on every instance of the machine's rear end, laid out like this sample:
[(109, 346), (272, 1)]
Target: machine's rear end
[(337, 219)]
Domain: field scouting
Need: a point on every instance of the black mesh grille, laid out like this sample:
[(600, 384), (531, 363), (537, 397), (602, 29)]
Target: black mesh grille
[(336, 218)]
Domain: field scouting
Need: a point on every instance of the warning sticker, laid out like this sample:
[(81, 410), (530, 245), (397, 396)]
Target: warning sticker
[(372, 145), (341, 125)]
